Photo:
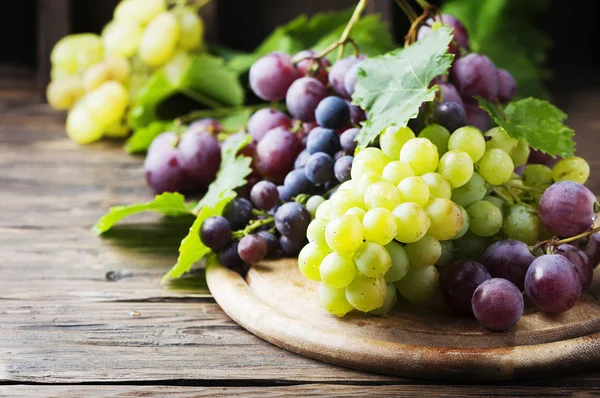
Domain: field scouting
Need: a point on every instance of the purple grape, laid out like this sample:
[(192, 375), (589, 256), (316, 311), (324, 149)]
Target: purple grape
[(417, 123), (477, 117), (271, 241), (292, 219), (520, 170), (332, 113), (264, 195), (200, 156), (350, 78), (474, 74), (300, 161), (252, 249), (580, 261), (162, 166), (275, 154), (319, 168), (449, 93), (357, 115), (230, 258), (347, 140), (238, 212), (498, 304), (507, 86), (552, 283), (450, 115), (591, 247), (303, 97), (272, 75), (266, 119), (297, 183), (291, 246), (285, 193), (215, 232), (206, 124), (459, 282), (508, 259), (322, 140), (461, 37), (567, 208), (305, 66), (342, 168), (539, 157), (337, 75)]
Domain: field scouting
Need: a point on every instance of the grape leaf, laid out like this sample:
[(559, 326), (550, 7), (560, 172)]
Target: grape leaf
[(142, 138), (392, 87), (536, 121), (169, 204)]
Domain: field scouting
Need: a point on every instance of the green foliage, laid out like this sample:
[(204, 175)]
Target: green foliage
[(141, 139)]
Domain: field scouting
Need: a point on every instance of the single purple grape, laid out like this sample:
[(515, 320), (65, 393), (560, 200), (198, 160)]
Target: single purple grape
[(291, 246), (238, 212), (319, 168), (252, 249), (322, 140), (580, 261), (162, 166), (271, 241), (332, 113), (292, 219), (264, 195), (301, 160), (357, 115), (507, 86), (508, 259), (272, 75), (449, 93), (215, 232), (450, 115), (498, 304), (303, 97), (347, 140), (474, 74), (200, 156), (477, 117), (297, 183), (276, 153), (539, 157), (230, 258), (459, 282), (459, 32), (337, 75), (350, 78), (591, 247), (266, 119), (206, 124), (342, 168)]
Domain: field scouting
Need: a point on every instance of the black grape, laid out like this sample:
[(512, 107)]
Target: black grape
[(238, 212), (332, 113), (215, 232)]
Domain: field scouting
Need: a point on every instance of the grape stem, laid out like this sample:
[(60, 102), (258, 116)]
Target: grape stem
[(523, 187), (407, 10), (424, 4), (502, 196), (554, 242), (362, 4), (581, 235), (201, 98), (251, 227)]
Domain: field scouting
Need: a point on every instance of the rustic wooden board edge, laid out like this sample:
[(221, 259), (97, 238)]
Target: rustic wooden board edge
[(240, 303)]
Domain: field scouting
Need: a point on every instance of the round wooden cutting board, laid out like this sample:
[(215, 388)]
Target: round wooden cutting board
[(276, 303)]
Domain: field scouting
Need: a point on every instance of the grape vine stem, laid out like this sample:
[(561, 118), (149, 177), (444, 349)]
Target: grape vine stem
[(252, 227), (362, 4), (408, 10)]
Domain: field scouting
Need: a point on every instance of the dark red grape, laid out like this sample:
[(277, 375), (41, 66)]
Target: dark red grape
[(449, 93), (459, 32), (238, 212), (508, 259), (347, 140), (474, 74), (459, 282), (498, 304), (567, 208), (200, 155), (264, 195), (275, 154), (507, 86), (450, 115), (308, 66), (291, 246), (591, 247), (319, 168), (350, 78), (303, 97), (206, 124), (215, 232), (271, 241), (332, 113), (230, 258), (292, 219), (162, 166), (297, 183), (539, 157), (252, 249), (342, 168), (266, 119), (476, 116), (322, 140), (337, 74), (580, 261), (272, 75), (552, 283)]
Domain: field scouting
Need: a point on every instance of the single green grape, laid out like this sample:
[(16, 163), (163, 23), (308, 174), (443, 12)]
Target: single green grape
[(73, 54), (379, 226), (456, 167), (474, 190), (400, 262), (358, 212), (421, 155), (316, 231), (141, 11), (523, 223), (372, 259), (465, 225), (366, 294), (159, 40), (310, 258), (80, 126), (393, 139), (368, 161), (342, 201), (396, 171), (414, 189), (382, 194), (468, 139), (498, 138), (344, 234), (438, 135), (334, 300), (324, 211), (337, 270), (496, 201), (572, 169), (107, 104), (447, 254), (439, 187), (537, 174), (420, 284), (446, 218), (496, 166), (366, 180), (192, 28), (388, 303), (312, 203), (485, 218), (121, 38), (350, 185), (413, 222), (520, 154), (469, 247), (424, 252)]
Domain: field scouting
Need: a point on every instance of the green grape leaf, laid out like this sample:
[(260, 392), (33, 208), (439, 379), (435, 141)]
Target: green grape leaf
[(141, 139), (536, 121), (169, 204), (392, 87)]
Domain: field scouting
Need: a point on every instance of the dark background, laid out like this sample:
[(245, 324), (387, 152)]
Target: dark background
[(28, 28)]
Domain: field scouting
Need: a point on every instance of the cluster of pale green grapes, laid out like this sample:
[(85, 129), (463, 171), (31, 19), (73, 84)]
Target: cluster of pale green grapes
[(97, 77), (417, 204)]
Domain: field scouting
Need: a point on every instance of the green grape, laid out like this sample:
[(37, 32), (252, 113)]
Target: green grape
[(498, 138), (118, 69), (63, 94), (393, 139), (344, 234), (414, 189), (141, 11), (342, 201), (313, 203), (523, 223), (537, 174), (456, 167), (446, 218), (469, 247), (370, 162), (159, 40), (117, 130), (94, 76), (107, 104), (496, 201), (439, 187), (447, 253), (192, 28), (81, 127), (572, 169), (379, 226), (496, 166), (358, 212), (121, 38), (316, 231), (420, 284), (470, 140), (382, 194), (366, 294), (310, 258), (350, 185), (485, 218), (520, 154), (388, 303), (400, 262), (465, 225), (366, 180), (438, 135), (413, 222), (471, 192), (75, 53), (369, 152), (334, 300), (396, 171), (372, 259), (324, 211), (420, 154), (424, 252), (337, 270)]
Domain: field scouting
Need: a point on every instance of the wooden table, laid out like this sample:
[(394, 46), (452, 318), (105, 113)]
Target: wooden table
[(68, 330)]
